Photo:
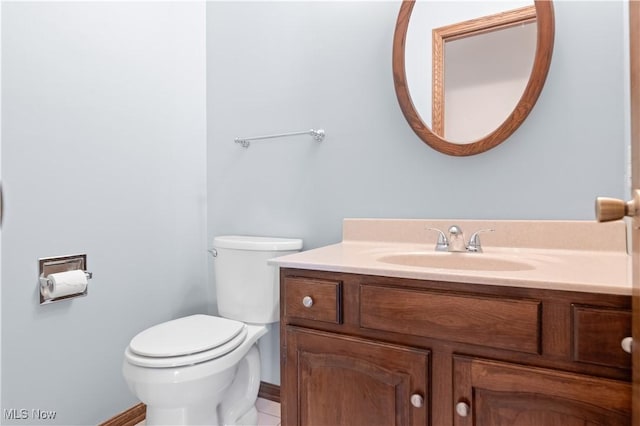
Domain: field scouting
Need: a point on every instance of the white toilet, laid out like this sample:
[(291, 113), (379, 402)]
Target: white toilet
[(203, 369)]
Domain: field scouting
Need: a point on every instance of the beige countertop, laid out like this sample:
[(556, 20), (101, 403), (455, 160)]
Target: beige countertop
[(560, 255)]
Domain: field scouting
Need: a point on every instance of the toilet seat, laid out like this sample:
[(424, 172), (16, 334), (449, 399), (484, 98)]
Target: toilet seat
[(185, 341)]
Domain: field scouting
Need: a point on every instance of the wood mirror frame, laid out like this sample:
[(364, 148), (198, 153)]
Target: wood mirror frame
[(542, 60)]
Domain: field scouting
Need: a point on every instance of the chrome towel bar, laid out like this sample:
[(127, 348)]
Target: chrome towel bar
[(318, 136)]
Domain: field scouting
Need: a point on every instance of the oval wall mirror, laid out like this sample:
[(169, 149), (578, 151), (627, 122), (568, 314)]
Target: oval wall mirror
[(467, 74)]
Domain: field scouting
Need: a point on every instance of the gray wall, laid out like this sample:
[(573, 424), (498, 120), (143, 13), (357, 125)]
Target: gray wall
[(286, 66), (103, 153)]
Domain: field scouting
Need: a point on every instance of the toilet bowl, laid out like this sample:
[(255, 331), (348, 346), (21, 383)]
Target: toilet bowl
[(182, 387), (205, 369)]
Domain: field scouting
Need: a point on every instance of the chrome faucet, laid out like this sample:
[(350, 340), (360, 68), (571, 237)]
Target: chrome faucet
[(474, 242), (455, 242), (443, 243), (456, 239)]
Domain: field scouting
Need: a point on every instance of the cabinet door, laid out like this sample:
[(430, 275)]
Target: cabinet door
[(336, 380), (500, 394)]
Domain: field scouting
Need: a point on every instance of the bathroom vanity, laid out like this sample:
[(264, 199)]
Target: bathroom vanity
[(372, 336)]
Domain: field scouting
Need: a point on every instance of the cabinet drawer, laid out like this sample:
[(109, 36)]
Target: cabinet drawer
[(314, 299), (499, 323), (597, 334)]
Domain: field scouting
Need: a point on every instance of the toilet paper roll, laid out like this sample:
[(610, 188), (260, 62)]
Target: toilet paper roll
[(67, 283)]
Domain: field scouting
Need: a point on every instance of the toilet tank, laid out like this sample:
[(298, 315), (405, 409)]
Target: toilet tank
[(247, 288)]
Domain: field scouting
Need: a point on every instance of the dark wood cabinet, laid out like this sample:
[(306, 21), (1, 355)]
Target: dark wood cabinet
[(489, 393), (597, 335), (349, 381), (368, 350)]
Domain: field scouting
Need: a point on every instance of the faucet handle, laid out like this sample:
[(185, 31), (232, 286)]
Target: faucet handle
[(443, 243), (474, 242), (455, 230)]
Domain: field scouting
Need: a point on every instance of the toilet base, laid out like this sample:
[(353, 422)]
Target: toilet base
[(250, 418), (185, 416), (181, 416), (192, 416)]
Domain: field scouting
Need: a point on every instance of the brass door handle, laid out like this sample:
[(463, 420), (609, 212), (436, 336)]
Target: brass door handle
[(608, 209)]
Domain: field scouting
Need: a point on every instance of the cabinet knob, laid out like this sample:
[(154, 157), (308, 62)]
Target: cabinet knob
[(463, 409), (307, 301), (626, 344), (417, 400)]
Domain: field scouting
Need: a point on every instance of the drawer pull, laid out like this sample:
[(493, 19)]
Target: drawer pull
[(307, 301), (463, 409), (417, 400), (626, 344)]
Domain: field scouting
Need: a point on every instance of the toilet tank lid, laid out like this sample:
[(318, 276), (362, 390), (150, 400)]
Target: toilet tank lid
[(244, 242)]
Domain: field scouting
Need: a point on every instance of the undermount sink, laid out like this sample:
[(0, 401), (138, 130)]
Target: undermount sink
[(456, 261)]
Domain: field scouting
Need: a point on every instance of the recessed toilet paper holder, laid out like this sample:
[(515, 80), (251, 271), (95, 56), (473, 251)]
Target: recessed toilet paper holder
[(54, 265)]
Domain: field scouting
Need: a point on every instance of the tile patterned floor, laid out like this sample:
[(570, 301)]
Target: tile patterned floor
[(268, 412)]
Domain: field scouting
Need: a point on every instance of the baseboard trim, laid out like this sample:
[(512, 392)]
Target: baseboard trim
[(269, 391), (130, 417), (136, 414)]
